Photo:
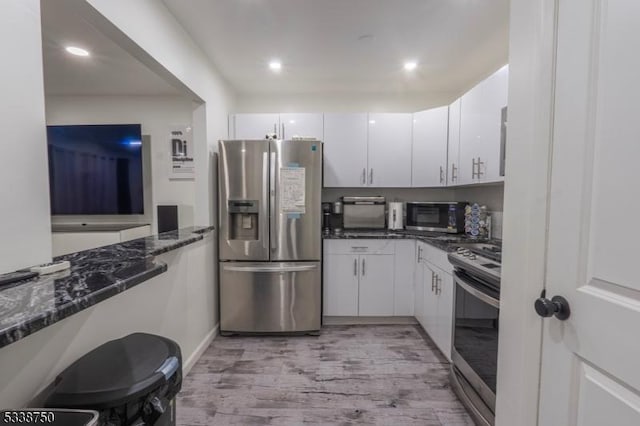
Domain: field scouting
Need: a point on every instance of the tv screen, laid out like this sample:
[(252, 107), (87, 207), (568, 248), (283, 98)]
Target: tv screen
[(95, 169)]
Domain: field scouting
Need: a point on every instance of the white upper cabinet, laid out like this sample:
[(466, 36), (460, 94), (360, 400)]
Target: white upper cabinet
[(480, 129), (430, 147), (253, 126), (453, 146), (390, 150), (301, 125), (345, 150), (285, 126)]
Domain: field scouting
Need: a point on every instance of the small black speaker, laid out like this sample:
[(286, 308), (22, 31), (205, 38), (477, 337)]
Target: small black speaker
[(167, 218)]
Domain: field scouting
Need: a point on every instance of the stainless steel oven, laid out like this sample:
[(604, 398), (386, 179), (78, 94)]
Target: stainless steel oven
[(435, 216), (475, 331)]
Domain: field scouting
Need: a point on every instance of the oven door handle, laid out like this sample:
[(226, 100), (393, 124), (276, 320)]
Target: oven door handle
[(477, 293)]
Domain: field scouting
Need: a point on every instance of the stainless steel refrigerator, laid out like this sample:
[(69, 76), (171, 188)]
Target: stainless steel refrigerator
[(269, 236)]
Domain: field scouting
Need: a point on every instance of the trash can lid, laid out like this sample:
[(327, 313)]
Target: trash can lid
[(116, 372)]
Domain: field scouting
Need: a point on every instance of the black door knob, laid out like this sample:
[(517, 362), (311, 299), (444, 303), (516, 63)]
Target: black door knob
[(558, 306)]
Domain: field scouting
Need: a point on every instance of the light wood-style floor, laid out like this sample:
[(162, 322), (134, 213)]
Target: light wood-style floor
[(376, 375)]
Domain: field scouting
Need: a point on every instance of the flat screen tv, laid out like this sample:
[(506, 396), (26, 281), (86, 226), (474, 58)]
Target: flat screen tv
[(95, 169)]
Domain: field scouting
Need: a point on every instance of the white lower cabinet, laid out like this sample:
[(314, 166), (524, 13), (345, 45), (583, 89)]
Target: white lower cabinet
[(341, 280), (368, 277), (434, 298), (376, 285)]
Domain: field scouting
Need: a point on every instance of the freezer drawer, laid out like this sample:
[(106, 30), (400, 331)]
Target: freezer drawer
[(270, 297)]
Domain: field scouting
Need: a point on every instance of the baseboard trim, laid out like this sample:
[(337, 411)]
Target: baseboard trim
[(368, 320), (195, 356)]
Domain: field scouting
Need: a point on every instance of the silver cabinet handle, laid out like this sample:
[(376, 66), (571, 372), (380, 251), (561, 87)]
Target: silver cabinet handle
[(371, 176), (355, 267), (357, 248), (473, 168), (453, 172), (419, 254), (264, 214), (438, 285), (363, 265), (441, 178), (272, 203), (480, 172), (275, 129), (433, 281), (272, 269), (364, 175)]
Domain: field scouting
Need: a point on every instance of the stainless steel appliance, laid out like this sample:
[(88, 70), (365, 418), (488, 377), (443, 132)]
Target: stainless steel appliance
[(363, 212), (475, 328), (436, 216), (270, 236), (395, 219)]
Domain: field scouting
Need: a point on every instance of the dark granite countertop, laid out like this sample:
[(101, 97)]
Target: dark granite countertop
[(440, 240), (95, 227), (95, 275)]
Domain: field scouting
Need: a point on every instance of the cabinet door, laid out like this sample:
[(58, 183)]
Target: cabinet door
[(390, 150), (376, 285), (345, 150), (418, 301), (340, 285), (429, 148), (453, 146), (255, 126), (444, 321), (404, 277), (301, 125), (480, 128), (430, 302)]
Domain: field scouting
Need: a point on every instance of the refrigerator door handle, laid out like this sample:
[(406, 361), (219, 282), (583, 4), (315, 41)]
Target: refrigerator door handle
[(272, 203), (265, 196), (272, 269)]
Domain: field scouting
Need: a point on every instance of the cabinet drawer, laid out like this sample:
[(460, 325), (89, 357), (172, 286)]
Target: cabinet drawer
[(359, 246), (436, 257)]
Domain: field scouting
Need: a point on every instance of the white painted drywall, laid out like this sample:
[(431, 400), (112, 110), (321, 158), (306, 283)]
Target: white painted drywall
[(156, 114), (180, 304), (345, 102), (25, 225), (164, 45)]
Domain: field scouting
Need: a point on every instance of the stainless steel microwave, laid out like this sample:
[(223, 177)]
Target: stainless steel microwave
[(436, 216)]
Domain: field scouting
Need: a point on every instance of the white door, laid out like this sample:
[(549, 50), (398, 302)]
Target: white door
[(303, 125), (444, 315), (453, 145), (429, 148), (345, 150), (590, 362), (255, 126), (404, 276), (376, 285), (390, 150), (341, 274)]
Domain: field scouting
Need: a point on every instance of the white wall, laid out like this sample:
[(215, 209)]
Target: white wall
[(156, 114), (180, 304), (342, 102), (163, 45), (25, 226)]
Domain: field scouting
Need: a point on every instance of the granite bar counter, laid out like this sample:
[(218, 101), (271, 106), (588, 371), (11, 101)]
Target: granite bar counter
[(443, 241), (95, 275)]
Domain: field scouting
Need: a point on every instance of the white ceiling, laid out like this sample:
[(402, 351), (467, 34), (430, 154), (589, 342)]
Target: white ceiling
[(349, 45), (110, 70)]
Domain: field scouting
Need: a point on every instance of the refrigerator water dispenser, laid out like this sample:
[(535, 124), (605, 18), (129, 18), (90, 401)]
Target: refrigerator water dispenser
[(243, 218)]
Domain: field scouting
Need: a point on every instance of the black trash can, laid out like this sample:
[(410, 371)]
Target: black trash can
[(129, 381)]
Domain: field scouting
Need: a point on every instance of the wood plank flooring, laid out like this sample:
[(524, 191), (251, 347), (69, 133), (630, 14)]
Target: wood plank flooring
[(366, 374)]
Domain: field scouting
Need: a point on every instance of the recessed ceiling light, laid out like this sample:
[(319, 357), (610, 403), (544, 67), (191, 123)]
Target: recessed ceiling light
[(275, 65), (410, 65), (78, 51), (372, 121)]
